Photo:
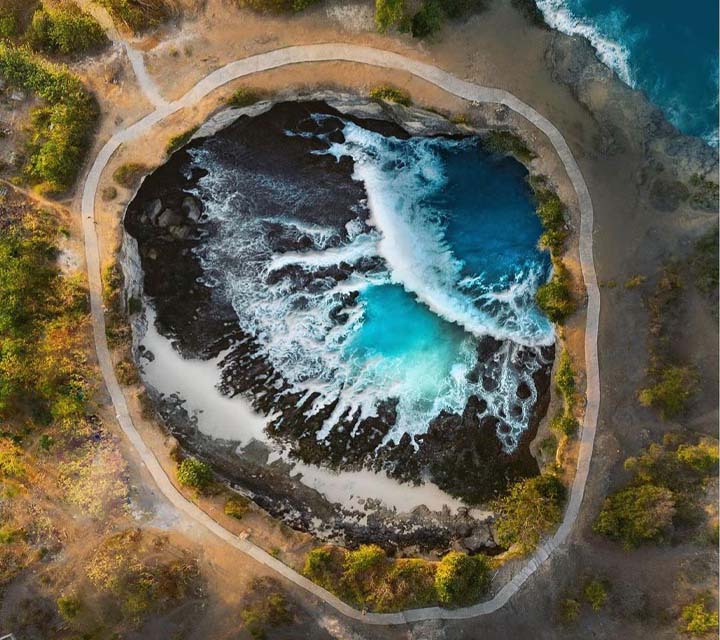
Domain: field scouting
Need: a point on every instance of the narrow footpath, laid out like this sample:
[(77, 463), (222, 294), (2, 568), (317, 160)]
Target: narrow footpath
[(453, 85)]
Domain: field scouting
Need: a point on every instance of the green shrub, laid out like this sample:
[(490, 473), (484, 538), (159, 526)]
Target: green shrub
[(8, 23), (595, 594), (564, 423), (389, 93), (569, 610), (271, 611), (109, 193), (363, 570), (554, 297), (236, 507), (673, 388), (461, 579), (506, 142), (8, 535), (428, 21), (179, 140), (244, 97), (531, 508), (636, 515), (697, 619), (704, 262), (128, 175), (137, 15), (65, 29), (60, 130), (565, 377), (408, 584), (635, 282), (324, 566), (194, 473), (388, 14), (277, 6), (551, 212), (68, 606)]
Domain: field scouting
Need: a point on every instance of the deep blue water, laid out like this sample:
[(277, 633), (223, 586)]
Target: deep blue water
[(455, 233), (666, 48)]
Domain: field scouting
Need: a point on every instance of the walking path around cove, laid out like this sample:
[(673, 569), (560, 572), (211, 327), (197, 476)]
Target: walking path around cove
[(453, 85)]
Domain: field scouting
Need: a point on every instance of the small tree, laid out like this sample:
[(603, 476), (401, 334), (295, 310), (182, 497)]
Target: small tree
[(531, 508), (596, 594), (672, 390), (194, 473), (461, 579), (637, 514)]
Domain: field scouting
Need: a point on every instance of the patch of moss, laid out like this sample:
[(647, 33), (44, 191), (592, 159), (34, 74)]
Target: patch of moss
[(388, 93)]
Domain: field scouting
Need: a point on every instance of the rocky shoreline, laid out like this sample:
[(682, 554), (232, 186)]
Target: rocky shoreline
[(460, 453)]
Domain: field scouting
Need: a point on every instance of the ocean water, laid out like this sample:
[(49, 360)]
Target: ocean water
[(447, 255), (668, 49)]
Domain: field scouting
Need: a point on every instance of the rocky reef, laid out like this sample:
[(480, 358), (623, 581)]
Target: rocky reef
[(461, 453)]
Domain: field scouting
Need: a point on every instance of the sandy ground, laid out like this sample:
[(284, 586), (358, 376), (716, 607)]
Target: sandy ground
[(496, 48)]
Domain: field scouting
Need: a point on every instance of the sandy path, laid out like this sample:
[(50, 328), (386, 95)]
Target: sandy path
[(455, 86)]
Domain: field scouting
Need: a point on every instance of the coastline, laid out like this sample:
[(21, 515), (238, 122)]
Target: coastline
[(263, 472)]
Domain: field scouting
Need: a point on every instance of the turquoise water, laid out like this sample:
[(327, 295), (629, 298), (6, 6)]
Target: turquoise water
[(666, 48), (452, 233)]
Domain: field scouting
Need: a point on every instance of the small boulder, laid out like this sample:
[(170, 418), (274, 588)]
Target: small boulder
[(191, 209), (152, 210), (169, 218)]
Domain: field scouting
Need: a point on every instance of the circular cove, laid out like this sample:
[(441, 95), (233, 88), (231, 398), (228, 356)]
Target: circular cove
[(338, 313)]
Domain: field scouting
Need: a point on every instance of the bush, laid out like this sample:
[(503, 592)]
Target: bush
[(636, 515), (363, 571), (506, 142), (244, 97), (388, 93), (697, 618), (194, 473), (179, 140), (595, 594), (704, 262), (554, 297), (8, 23), (128, 175), (65, 29), (68, 606), (60, 130), (137, 15), (673, 388), (428, 21), (324, 567), (461, 579), (277, 6), (409, 583), (388, 14), (236, 507), (569, 610), (529, 510), (109, 193), (565, 377), (270, 611), (564, 423)]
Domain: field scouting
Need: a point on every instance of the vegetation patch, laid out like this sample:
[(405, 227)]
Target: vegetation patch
[(268, 608), (236, 507), (180, 140), (367, 578), (244, 97), (673, 388), (277, 6), (531, 508), (704, 264), (128, 175), (131, 567), (194, 473), (64, 29), (699, 617), (60, 130), (507, 142), (461, 579), (137, 15), (388, 93), (595, 594), (663, 492), (555, 296)]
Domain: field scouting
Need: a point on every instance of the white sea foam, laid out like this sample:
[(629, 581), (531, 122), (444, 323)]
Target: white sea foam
[(295, 325), (602, 34)]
